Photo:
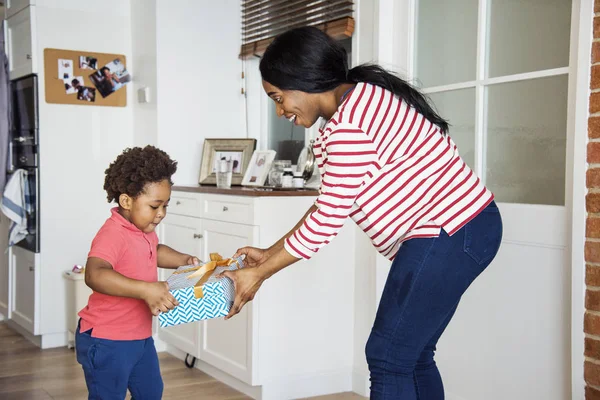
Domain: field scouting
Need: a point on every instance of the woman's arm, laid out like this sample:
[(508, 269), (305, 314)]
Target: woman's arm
[(255, 256), (279, 245), (248, 280), (170, 258), (261, 264), (352, 156)]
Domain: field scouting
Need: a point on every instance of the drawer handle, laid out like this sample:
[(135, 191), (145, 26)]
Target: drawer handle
[(29, 56), (198, 236), (31, 268), (225, 208), (177, 203)]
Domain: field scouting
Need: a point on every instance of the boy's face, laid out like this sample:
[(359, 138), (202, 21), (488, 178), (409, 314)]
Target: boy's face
[(149, 208)]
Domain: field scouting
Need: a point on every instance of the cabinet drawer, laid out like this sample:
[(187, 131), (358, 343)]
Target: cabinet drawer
[(182, 204), (222, 209), (20, 39), (11, 7)]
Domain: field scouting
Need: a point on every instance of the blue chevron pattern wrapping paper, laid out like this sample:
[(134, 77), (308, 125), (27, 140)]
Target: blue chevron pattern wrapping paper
[(216, 302)]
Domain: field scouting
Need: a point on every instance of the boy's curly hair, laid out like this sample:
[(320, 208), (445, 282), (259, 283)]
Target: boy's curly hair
[(136, 167)]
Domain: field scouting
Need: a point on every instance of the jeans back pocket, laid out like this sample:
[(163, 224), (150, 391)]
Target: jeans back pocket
[(483, 235)]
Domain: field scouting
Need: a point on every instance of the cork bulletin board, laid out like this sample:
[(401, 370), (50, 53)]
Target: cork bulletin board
[(85, 78)]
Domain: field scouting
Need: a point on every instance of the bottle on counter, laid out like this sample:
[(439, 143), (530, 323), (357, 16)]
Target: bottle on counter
[(298, 180), (287, 179)]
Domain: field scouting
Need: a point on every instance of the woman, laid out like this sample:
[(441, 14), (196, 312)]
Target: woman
[(387, 162)]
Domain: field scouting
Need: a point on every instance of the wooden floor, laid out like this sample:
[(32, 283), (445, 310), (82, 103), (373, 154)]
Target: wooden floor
[(28, 373)]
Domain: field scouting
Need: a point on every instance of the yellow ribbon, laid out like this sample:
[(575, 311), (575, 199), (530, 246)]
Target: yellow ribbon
[(205, 271)]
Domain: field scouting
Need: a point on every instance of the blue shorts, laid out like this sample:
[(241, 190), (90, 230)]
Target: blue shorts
[(113, 366)]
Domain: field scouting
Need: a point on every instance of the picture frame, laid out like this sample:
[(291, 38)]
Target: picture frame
[(238, 150), (259, 167)]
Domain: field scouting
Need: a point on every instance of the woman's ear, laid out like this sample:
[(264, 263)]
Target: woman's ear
[(125, 201)]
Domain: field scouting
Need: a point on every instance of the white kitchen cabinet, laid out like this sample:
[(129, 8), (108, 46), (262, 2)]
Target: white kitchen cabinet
[(295, 338), (24, 304), (227, 345), (20, 43), (4, 267), (11, 7), (184, 235)]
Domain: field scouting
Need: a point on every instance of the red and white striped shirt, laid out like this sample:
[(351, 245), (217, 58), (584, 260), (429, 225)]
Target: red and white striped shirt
[(392, 171)]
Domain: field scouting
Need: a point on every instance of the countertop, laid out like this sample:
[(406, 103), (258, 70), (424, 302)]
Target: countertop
[(248, 191)]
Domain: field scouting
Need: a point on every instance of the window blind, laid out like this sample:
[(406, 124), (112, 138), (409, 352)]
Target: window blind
[(262, 20)]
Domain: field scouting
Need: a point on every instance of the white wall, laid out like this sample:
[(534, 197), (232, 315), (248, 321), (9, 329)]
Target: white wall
[(77, 143), (143, 50), (199, 79)]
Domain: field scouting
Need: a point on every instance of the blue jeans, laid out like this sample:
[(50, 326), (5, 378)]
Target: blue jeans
[(113, 366), (421, 294)]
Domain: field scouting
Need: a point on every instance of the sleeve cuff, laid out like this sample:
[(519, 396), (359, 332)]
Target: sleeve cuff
[(296, 249), (103, 256)]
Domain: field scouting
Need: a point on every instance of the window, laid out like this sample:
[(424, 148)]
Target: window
[(498, 70), (262, 20)]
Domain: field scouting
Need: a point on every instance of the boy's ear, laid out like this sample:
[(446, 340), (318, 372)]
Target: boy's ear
[(125, 201)]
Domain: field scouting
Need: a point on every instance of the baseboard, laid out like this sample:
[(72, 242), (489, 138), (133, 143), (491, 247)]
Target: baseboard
[(286, 387), (451, 396), (251, 391), (47, 341), (52, 340), (361, 383), (37, 340), (320, 383)]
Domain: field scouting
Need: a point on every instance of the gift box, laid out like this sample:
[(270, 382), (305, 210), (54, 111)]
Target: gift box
[(200, 293)]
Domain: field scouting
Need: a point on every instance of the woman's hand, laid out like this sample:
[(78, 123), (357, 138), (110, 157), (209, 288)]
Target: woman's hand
[(158, 297), (246, 282), (254, 256)]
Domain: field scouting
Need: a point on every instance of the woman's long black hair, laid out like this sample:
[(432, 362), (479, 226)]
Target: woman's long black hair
[(308, 60)]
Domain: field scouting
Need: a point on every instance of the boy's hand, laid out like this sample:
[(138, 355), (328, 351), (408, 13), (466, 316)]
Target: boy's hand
[(191, 260), (158, 297)]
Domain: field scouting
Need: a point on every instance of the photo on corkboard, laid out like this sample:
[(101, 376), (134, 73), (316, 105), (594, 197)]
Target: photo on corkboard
[(110, 78), (72, 85), (87, 62), (85, 93), (65, 69)]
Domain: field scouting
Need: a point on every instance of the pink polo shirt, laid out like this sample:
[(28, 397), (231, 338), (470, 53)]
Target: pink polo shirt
[(132, 253)]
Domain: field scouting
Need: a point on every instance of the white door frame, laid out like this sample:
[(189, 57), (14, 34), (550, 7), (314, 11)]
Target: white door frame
[(396, 52), (577, 121)]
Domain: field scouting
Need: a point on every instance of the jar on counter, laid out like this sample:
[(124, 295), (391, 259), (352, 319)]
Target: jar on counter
[(298, 180), (287, 179), (276, 172)]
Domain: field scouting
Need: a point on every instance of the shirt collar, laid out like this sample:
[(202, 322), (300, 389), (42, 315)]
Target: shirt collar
[(118, 218)]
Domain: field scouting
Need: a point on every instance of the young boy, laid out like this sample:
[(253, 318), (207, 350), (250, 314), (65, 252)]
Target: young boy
[(114, 339)]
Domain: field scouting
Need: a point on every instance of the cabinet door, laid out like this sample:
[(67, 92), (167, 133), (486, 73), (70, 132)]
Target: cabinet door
[(4, 270), (19, 43), (182, 234), (25, 284), (11, 7), (227, 345)]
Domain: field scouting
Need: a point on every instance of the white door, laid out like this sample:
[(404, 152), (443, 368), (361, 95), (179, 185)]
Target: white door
[(182, 234), (4, 267), (227, 345), (19, 43), (499, 71), (25, 282)]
